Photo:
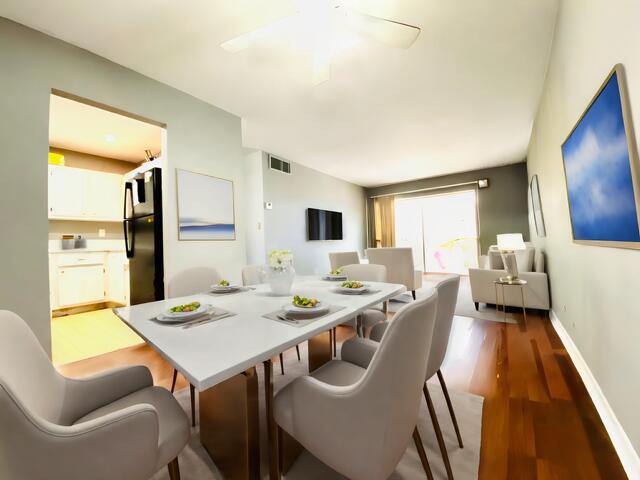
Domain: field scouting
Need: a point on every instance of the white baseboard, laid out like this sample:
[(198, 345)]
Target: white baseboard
[(628, 456)]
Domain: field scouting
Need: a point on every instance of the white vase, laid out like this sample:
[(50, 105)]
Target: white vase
[(281, 280)]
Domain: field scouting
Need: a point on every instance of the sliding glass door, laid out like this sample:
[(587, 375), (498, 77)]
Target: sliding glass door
[(442, 230)]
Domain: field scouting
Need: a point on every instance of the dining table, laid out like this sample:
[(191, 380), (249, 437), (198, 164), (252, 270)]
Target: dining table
[(219, 357)]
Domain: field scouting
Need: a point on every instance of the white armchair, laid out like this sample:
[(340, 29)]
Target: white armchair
[(112, 425), (400, 266), (340, 259), (358, 420), (530, 268)]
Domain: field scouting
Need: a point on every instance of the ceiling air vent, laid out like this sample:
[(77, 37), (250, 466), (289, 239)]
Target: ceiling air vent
[(280, 165)]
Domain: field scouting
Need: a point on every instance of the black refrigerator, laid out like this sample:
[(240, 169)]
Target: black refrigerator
[(143, 236)]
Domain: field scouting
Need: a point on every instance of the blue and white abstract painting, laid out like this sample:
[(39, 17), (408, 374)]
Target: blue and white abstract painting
[(205, 207), (598, 171)]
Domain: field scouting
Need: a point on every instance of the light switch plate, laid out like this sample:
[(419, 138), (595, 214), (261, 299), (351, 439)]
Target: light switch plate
[(102, 232)]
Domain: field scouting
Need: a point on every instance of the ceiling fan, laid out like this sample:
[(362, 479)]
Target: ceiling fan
[(324, 23)]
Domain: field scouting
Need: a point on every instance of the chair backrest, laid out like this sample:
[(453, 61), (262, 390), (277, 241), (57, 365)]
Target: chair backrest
[(390, 391), (399, 263), (365, 272), (252, 275), (340, 259), (192, 281), (27, 376), (447, 298)]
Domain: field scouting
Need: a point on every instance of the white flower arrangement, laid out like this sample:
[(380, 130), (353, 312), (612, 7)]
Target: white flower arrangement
[(280, 260)]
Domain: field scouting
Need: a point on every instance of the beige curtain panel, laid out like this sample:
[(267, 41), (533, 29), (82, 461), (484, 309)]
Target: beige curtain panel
[(384, 221)]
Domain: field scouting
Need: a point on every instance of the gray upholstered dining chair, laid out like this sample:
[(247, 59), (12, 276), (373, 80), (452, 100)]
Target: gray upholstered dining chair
[(447, 297), (400, 266), (254, 275), (112, 425), (360, 419), (366, 272), (191, 282), (340, 259)]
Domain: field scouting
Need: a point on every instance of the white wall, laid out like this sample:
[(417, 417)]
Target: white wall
[(254, 207), (286, 225), (201, 138), (594, 289)]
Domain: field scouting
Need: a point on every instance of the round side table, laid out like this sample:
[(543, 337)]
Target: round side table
[(505, 282)]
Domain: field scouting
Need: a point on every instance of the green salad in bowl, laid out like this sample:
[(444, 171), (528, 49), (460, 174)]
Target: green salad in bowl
[(223, 283), (186, 308), (337, 271), (352, 284), (304, 302)]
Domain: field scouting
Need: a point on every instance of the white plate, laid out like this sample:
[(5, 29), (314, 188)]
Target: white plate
[(352, 291), (320, 307), (170, 316), (223, 289)]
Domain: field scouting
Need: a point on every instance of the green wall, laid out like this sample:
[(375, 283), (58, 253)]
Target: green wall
[(502, 208)]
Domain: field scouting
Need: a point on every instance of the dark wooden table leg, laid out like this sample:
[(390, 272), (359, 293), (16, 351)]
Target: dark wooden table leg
[(229, 426), (272, 433), (320, 350)]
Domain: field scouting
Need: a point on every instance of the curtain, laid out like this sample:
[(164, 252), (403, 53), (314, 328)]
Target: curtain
[(384, 221)]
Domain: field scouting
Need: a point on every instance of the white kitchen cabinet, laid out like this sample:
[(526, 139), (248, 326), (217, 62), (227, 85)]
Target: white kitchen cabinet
[(79, 194), (85, 277), (117, 278), (80, 284), (65, 192)]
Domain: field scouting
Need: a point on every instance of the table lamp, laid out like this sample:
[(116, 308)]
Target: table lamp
[(508, 244)]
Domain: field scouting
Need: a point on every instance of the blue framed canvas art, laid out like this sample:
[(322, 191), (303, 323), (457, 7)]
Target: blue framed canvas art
[(205, 207), (600, 164)]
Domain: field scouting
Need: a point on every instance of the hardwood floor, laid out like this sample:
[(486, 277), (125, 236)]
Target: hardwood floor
[(538, 419)]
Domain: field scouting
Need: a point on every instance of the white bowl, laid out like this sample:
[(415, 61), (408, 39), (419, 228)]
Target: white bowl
[(319, 307), (169, 315), (222, 289), (353, 291)]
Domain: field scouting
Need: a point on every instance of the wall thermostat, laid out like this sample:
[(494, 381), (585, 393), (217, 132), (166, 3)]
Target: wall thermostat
[(268, 205), (483, 183)]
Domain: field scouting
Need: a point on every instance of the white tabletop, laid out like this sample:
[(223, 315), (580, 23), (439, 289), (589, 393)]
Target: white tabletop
[(213, 352)]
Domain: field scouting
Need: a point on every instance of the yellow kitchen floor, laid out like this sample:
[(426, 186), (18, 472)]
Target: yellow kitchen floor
[(84, 335)]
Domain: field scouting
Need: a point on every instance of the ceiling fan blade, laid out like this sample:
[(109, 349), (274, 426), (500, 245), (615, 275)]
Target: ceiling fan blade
[(245, 40), (391, 33)]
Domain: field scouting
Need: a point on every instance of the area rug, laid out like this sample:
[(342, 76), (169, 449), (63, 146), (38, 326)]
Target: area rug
[(196, 464), (464, 306)]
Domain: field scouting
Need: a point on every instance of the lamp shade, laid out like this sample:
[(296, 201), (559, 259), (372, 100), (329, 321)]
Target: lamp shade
[(511, 241)]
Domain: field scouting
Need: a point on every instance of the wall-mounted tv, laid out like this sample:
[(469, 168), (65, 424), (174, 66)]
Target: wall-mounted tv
[(324, 224)]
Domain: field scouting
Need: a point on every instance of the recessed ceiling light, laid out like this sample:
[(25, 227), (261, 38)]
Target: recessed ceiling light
[(110, 137)]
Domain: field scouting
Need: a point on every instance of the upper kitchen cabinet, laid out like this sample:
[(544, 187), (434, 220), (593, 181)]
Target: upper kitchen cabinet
[(79, 194)]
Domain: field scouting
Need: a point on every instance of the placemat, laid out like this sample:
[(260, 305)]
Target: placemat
[(342, 292), (301, 320), (239, 290)]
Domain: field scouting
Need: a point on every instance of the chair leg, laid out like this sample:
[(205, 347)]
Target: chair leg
[(436, 428), (413, 293), (174, 469), (450, 406), (192, 391), (298, 351), (421, 453), (281, 363), (173, 382)]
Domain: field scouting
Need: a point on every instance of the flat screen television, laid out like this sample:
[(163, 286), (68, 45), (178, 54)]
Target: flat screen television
[(324, 224)]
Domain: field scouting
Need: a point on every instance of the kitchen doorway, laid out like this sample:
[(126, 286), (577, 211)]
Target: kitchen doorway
[(94, 153), (442, 230)]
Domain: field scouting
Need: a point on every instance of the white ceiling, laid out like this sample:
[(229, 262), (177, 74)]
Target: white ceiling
[(462, 97), (83, 128)]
